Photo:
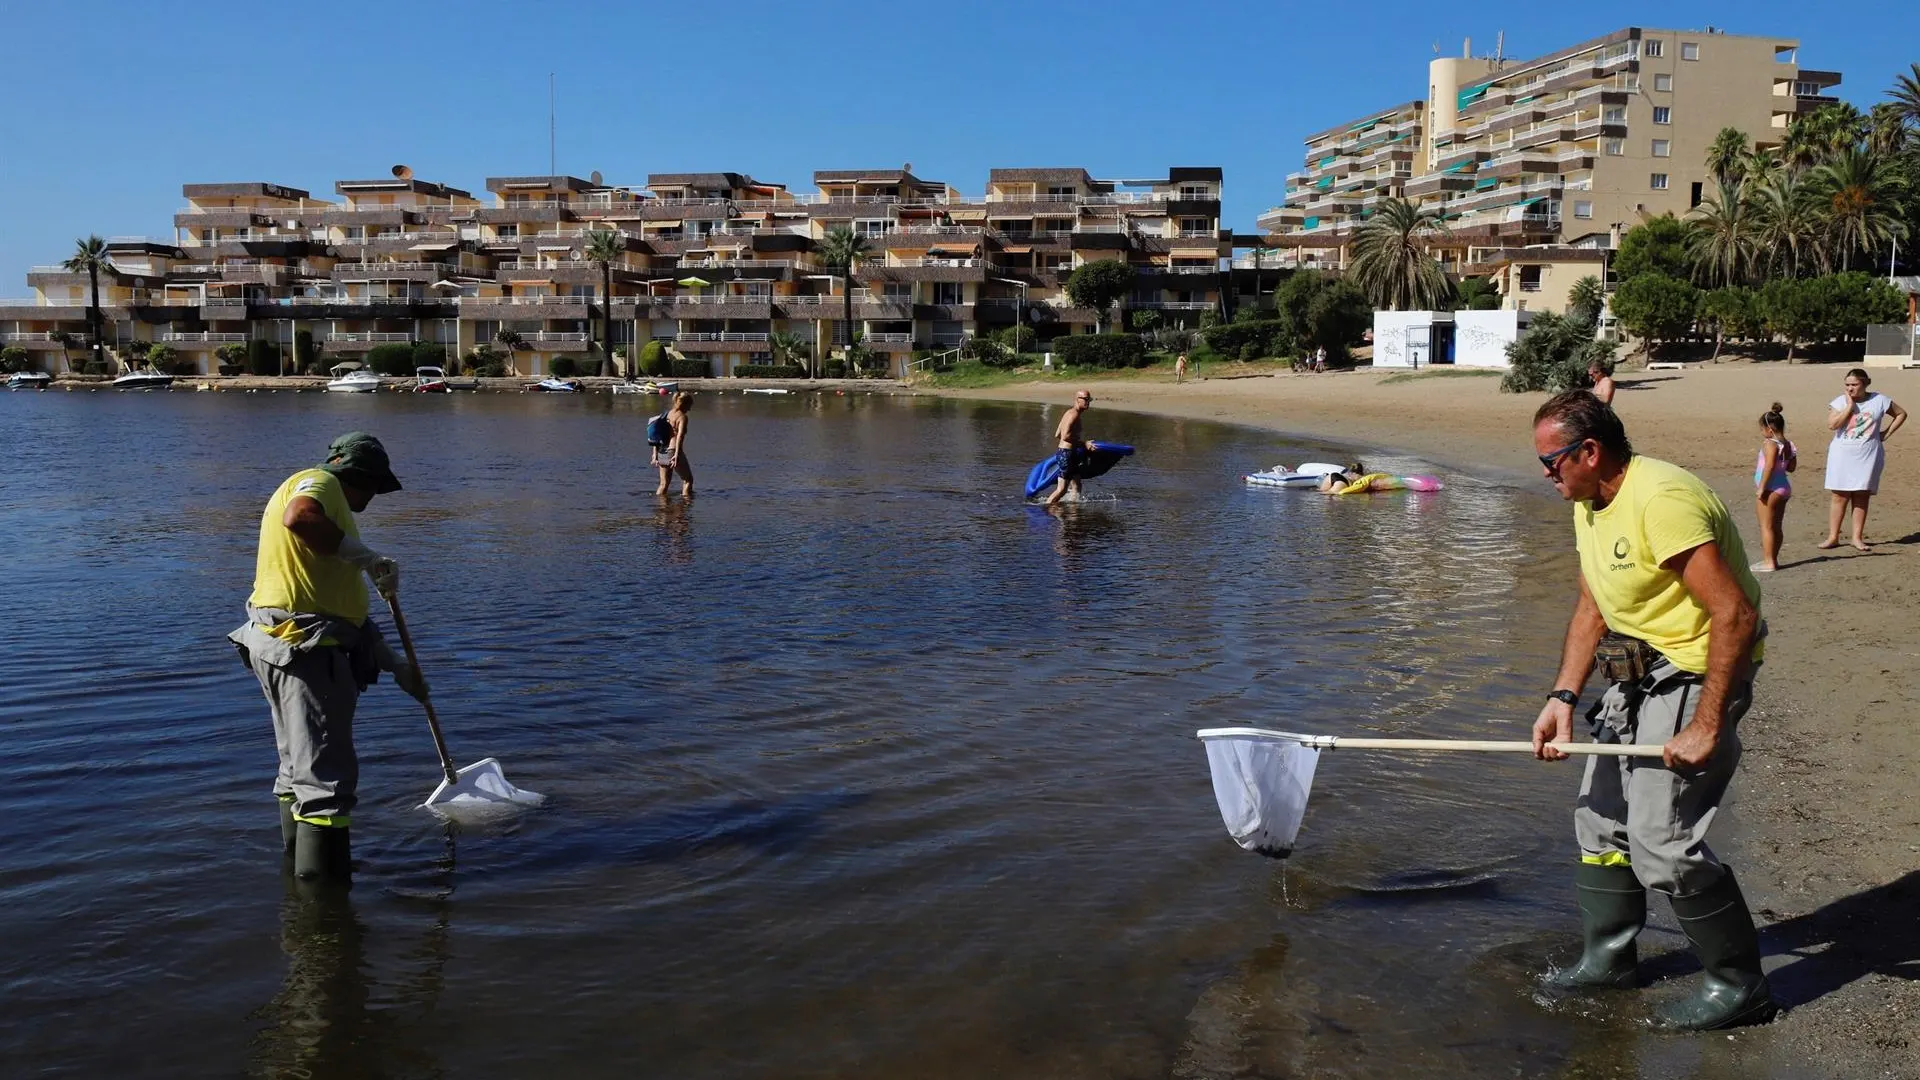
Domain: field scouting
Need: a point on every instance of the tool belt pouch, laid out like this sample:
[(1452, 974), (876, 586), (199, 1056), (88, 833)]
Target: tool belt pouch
[(1622, 659)]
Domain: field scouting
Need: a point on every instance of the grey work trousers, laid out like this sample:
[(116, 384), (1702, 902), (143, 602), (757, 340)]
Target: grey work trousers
[(313, 698), (1638, 810)]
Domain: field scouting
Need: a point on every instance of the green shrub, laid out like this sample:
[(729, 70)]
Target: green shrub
[(263, 357), (834, 369), (690, 369), (232, 358), (653, 359), (1143, 319), (1656, 307), (166, 360), (13, 358), (1553, 355), (1249, 340), (989, 352), (1017, 338), (428, 354), (391, 358), (563, 367), (1101, 350), (770, 371)]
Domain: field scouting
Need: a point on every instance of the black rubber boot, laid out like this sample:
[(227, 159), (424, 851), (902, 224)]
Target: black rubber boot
[(1733, 989), (1613, 911), (286, 825), (322, 852)]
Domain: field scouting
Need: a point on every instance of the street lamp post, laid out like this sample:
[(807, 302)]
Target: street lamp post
[(1020, 313)]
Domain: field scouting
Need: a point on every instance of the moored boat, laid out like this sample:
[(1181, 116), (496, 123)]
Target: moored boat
[(143, 380), (355, 382), (431, 380), (28, 380)]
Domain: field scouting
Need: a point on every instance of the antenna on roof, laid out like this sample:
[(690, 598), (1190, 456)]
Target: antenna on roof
[(595, 179), (1500, 48), (906, 166), (402, 172), (552, 169)]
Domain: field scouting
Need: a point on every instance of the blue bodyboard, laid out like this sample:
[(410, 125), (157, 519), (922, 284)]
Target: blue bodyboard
[(1101, 458)]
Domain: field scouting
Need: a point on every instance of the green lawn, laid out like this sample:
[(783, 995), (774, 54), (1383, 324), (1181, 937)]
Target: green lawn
[(1442, 373)]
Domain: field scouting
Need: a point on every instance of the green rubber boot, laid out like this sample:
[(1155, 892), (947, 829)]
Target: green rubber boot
[(321, 851), (1733, 989), (286, 824), (1613, 911)]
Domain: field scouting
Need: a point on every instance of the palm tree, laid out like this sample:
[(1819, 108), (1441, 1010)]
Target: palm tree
[(1760, 163), (603, 248), (1789, 228), (1857, 195), (1841, 126), (1804, 145), (1721, 237), (65, 341), (90, 255), (1586, 298), (789, 346), (1886, 130), (841, 251), (1727, 156), (1905, 96), (1391, 263)]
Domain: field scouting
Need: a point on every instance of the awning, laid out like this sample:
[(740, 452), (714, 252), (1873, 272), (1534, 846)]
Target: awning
[(1535, 199), (967, 215), (1470, 95), (1017, 250), (437, 246), (953, 249), (554, 247)]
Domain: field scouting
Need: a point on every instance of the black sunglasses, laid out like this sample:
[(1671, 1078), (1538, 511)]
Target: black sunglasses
[(1552, 461)]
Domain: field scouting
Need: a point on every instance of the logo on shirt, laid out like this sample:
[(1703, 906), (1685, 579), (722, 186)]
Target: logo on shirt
[(306, 485), (1620, 550)]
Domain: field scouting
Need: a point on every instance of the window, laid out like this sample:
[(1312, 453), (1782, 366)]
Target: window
[(949, 292), (1616, 147), (1614, 114), (1662, 148), (1195, 226), (1651, 47), (1659, 181), (1529, 279), (1196, 191), (507, 232), (1662, 114), (353, 234), (870, 227), (1663, 83), (893, 290), (1689, 50), (1582, 209), (1806, 89)]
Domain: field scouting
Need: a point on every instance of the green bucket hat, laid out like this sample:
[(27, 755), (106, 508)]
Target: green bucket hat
[(360, 460)]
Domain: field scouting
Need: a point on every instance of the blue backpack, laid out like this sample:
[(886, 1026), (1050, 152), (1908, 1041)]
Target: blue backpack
[(659, 431)]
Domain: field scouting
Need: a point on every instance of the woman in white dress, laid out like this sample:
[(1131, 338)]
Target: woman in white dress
[(1861, 421)]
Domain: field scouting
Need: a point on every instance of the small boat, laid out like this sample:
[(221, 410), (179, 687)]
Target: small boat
[(29, 380), (648, 387), (764, 390), (143, 380), (556, 386), (355, 382), (431, 380)]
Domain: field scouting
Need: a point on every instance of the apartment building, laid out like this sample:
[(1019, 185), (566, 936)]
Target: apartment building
[(1567, 150), (713, 264)]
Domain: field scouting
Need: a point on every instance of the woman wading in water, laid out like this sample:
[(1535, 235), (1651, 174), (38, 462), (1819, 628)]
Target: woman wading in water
[(673, 456)]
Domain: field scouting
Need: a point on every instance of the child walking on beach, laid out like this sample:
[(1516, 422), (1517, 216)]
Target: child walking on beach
[(1771, 486)]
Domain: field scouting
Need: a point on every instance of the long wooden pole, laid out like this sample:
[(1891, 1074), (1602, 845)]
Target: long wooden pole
[(1342, 742), (433, 722)]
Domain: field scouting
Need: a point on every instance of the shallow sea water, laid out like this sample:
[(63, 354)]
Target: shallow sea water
[(857, 766)]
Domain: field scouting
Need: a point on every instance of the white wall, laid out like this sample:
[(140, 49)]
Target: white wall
[(1480, 338), (1390, 336)]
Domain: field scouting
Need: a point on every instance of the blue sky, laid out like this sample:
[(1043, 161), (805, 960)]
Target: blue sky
[(110, 107)]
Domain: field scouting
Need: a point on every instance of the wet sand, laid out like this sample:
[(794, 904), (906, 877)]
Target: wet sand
[(1824, 826)]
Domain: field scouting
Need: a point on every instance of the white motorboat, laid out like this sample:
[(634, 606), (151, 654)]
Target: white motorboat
[(143, 380), (28, 380), (431, 380), (649, 387), (356, 382), (556, 386)]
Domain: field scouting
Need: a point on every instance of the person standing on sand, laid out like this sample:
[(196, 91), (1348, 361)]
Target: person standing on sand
[(1670, 613), (1860, 424), (673, 456), (310, 642), (1771, 486), (1071, 448), (1180, 369), (1601, 376)]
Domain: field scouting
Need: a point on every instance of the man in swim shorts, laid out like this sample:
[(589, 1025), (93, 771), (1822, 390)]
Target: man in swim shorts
[(1072, 448)]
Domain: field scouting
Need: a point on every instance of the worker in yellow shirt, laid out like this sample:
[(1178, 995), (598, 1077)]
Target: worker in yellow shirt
[(309, 641), (1671, 615)]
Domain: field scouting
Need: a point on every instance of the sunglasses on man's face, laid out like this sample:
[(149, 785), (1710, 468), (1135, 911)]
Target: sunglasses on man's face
[(1551, 462)]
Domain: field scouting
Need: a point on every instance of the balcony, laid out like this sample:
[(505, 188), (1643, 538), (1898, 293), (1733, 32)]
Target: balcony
[(206, 338), (403, 271), (723, 342), (510, 215), (366, 338), (717, 306), (555, 340)]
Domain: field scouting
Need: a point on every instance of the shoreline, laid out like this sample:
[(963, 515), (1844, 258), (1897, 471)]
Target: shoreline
[(1823, 829), (468, 384)]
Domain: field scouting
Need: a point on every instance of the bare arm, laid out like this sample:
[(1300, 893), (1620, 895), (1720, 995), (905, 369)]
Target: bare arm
[(1837, 418), (1733, 622), (1899, 417), (305, 519), (1584, 629)]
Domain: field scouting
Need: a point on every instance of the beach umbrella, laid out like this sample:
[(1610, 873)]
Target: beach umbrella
[(695, 282), (1261, 778)]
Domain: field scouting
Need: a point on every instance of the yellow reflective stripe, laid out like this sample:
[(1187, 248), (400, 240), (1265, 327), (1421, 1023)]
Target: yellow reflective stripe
[(1607, 858), (335, 821), (284, 798)]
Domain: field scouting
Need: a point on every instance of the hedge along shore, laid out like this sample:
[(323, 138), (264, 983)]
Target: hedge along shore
[(1823, 826)]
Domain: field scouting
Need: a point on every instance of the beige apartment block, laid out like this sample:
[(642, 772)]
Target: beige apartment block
[(1567, 150), (712, 264)]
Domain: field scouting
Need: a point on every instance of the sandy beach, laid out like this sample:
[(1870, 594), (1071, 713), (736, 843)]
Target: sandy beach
[(1824, 825)]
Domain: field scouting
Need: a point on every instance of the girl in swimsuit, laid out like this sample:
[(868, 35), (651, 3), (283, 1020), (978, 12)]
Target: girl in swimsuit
[(1772, 488)]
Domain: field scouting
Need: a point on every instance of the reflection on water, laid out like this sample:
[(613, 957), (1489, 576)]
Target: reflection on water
[(857, 766)]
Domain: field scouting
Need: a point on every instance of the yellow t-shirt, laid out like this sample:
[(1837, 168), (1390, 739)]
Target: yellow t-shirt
[(292, 576), (1660, 511)]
